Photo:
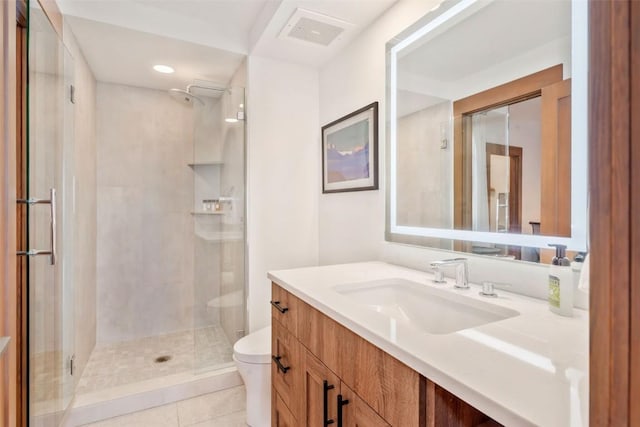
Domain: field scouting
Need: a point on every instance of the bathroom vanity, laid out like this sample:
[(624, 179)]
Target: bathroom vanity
[(373, 344)]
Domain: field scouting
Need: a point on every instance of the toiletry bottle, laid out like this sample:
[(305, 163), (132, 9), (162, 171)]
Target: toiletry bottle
[(561, 283)]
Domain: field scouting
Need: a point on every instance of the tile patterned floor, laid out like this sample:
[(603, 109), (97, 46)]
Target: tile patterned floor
[(133, 361), (224, 408)]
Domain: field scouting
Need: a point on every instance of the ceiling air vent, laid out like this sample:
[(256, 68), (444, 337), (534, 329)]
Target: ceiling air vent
[(313, 27)]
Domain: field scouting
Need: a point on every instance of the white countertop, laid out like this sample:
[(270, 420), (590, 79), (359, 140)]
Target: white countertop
[(531, 369)]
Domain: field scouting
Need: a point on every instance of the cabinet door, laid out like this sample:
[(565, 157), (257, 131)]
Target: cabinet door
[(280, 414), (321, 388), (286, 369), (355, 412), (284, 308), (446, 410), (322, 335), (387, 385)]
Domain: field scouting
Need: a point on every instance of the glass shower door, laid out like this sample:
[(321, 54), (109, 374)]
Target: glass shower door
[(219, 255), (232, 185), (49, 225)]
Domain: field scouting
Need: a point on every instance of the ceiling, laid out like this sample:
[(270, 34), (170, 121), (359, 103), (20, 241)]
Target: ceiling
[(222, 24), (496, 33), (357, 14), (201, 39), (120, 55), (487, 45)]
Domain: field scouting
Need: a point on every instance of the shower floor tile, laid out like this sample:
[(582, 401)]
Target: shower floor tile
[(133, 361)]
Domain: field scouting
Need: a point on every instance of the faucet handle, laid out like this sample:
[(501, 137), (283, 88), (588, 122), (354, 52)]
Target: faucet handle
[(438, 274), (488, 288)]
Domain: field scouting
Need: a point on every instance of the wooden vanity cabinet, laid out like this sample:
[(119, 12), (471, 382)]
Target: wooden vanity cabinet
[(327, 399), (281, 416), (323, 375), (286, 367), (356, 413), (444, 410), (284, 308), (320, 390)]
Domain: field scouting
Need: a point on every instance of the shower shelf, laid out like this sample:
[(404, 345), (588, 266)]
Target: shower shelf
[(197, 164), (207, 212)]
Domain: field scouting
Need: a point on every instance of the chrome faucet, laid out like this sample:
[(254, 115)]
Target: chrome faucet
[(462, 271)]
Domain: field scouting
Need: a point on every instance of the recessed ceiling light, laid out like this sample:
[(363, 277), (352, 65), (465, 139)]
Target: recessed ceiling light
[(231, 120), (165, 69)]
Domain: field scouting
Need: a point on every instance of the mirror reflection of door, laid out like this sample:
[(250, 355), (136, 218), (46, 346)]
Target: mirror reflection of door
[(512, 146), (504, 188)]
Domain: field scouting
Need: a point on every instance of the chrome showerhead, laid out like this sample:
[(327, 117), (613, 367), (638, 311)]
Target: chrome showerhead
[(184, 96)]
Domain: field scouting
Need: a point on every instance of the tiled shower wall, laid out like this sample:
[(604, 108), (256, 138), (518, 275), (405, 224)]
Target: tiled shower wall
[(145, 232)]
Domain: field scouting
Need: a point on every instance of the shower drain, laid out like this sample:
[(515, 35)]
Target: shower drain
[(162, 359)]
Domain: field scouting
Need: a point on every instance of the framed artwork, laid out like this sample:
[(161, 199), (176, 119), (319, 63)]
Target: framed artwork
[(350, 152)]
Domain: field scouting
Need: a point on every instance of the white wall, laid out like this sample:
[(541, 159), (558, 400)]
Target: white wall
[(283, 142), (525, 127), (352, 224)]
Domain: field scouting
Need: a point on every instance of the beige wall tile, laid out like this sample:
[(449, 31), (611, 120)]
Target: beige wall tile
[(145, 231)]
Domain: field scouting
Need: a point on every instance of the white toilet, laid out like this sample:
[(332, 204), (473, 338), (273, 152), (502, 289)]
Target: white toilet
[(252, 355)]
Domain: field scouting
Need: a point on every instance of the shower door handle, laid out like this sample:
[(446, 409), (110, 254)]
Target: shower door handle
[(52, 226)]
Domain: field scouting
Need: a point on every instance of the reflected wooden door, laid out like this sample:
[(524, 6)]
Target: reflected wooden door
[(556, 160), (555, 200)]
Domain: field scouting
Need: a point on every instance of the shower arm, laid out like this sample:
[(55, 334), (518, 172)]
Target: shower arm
[(219, 89)]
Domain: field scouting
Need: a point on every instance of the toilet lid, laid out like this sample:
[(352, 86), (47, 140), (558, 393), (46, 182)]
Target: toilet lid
[(255, 347)]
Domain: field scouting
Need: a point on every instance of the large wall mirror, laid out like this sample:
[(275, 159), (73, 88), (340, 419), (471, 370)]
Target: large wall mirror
[(487, 128)]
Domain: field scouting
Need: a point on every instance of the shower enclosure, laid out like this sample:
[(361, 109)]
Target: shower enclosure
[(168, 212), (188, 304)]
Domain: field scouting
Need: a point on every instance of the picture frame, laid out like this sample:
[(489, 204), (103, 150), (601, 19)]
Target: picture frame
[(350, 152)]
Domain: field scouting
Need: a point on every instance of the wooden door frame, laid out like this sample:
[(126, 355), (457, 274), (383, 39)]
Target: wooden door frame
[(515, 188), (22, 291), (614, 182), (8, 295), (509, 93)]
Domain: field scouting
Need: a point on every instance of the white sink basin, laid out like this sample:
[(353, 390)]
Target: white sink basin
[(431, 310)]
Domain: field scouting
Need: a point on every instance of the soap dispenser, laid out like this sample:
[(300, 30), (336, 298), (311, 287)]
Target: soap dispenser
[(561, 283)]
